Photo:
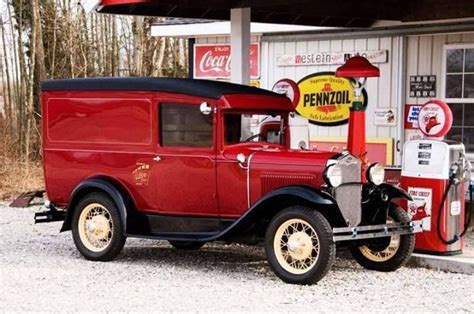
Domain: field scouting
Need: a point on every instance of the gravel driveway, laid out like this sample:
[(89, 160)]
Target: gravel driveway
[(41, 270)]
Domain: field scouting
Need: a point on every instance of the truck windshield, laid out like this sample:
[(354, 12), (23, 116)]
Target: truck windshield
[(244, 128)]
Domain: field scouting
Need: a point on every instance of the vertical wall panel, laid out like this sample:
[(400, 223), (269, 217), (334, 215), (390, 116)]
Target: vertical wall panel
[(373, 88), (424, 54), (264, 54), (385, 87), (437, 60), (412, 64)]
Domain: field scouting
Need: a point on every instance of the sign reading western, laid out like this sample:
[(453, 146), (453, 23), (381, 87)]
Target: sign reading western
[(326, 99), (212, 61), (330, 58)]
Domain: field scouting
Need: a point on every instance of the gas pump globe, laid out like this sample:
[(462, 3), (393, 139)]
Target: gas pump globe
[(359, 69)]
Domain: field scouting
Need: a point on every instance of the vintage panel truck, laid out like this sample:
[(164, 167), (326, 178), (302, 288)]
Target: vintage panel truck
[(170, 159)]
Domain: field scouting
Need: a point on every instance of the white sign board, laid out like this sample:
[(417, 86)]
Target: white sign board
[(328, 58), (385, 117), (420, 207)]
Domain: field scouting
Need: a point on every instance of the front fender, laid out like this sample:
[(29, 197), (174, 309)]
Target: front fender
[(394, 191), (90, 185), (310, 194), (271, 203)]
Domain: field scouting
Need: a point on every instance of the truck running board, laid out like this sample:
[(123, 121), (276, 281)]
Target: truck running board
[(379, 231)]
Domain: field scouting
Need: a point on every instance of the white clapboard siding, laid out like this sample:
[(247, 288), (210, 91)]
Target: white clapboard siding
[(425, 57), (383, 92)]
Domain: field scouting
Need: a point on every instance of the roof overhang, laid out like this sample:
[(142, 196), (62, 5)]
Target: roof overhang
[(222, 28), (338, 13)]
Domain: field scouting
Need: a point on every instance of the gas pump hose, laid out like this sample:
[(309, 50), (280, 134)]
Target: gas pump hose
[(440, 212)]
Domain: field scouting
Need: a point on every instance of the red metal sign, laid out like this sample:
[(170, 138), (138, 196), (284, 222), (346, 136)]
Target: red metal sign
[(435, 118), (213, 61), (289, 88)]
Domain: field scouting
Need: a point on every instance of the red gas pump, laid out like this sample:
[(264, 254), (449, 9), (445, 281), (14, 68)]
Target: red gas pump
[(434, 173), (357, 68)]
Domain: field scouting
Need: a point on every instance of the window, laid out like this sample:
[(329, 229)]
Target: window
[(458, 89), (185, 125), (241, 128)]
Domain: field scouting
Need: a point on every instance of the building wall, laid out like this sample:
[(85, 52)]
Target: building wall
[(407, 55), (222, 39), (383, 92), (425, 56)]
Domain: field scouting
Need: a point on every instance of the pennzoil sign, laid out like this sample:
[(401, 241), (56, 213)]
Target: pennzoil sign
[(326, 99)]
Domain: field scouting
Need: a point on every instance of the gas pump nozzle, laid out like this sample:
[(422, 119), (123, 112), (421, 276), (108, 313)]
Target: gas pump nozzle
[(460, 170), (453, 171), (467, 167)]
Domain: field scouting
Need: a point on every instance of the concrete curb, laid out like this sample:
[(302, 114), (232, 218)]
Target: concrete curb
[(463, 264)]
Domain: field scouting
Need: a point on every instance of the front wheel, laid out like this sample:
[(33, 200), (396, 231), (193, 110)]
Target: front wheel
[(389, 253), (96, 227), (299, 245)]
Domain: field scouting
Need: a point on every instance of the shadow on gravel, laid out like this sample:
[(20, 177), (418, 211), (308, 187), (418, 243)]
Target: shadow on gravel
[(217, 259)]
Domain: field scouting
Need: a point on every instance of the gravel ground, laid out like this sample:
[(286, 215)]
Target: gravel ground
[(41, 270)]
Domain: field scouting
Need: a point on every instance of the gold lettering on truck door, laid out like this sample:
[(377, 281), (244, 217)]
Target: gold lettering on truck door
[(141, 174)]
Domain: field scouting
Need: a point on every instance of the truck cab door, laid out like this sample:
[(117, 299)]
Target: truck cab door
[(184, 167)]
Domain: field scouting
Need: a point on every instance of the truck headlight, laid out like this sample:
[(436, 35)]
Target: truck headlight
[(333, 175), (376, 174)]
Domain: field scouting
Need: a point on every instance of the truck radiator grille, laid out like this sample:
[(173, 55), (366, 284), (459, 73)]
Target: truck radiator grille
[(272, 181), (349, 196)]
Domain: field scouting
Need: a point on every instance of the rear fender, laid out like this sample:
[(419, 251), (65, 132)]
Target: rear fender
[(95, 185)]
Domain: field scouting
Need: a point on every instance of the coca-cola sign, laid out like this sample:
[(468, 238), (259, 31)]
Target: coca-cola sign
[(213, 61)]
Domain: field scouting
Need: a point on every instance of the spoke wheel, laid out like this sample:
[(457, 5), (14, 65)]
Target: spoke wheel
[(385, 254), (96, 227), (299, 245), (391, 256), (296, 246)]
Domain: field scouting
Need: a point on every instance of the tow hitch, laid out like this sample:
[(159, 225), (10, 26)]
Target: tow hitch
[(50, 215)]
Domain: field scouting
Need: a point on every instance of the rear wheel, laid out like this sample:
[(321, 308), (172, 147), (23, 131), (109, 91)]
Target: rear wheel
[(96, 227), (390, 253), (187, 245), (299, 245)]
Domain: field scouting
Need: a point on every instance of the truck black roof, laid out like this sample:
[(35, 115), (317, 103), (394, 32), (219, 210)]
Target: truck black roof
[(195, 87)]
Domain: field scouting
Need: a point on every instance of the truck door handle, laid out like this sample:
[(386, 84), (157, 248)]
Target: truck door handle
[(157, 158)]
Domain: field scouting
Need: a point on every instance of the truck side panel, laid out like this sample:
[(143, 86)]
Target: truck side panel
[(87, 134)]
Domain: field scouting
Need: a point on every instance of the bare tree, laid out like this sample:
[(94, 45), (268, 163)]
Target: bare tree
[(48, 39)]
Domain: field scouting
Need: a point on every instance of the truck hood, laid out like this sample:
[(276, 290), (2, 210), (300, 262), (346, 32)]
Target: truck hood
[(278, 155)]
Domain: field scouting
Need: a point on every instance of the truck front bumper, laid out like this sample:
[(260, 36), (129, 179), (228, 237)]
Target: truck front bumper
[(379, 231)]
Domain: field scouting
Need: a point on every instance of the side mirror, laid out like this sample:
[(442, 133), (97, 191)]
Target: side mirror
[(205, 108)]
